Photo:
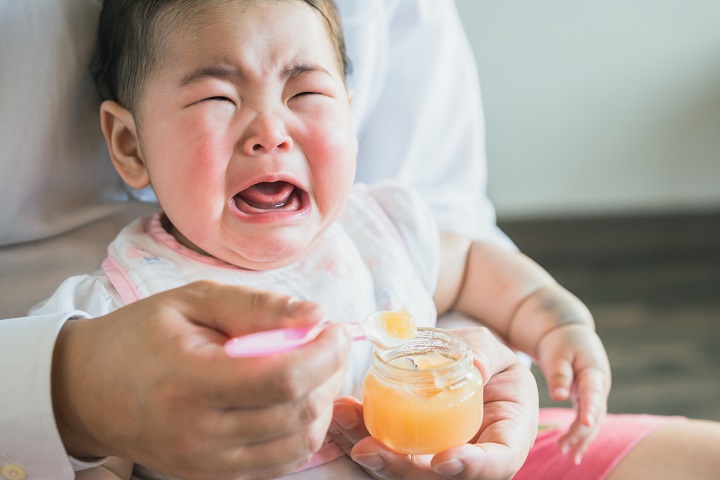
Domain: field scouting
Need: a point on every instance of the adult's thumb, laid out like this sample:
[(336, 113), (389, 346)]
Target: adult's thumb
[(237, 310)]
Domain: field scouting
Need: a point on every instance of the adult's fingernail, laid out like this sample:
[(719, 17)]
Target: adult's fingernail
[(334, 428), (450, 468), (296, 307), (372, 461), (346, 417)]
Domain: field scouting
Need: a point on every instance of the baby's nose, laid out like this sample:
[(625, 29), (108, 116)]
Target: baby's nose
[(267, 133)]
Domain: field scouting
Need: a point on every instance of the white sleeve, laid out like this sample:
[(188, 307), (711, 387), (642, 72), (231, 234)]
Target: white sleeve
[(419, 111), (30, 441), (416, 225)]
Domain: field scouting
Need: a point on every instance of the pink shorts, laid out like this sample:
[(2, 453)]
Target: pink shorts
[(618, 435)]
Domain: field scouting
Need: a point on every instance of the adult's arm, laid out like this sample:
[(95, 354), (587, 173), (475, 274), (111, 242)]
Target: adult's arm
[(151, 382)]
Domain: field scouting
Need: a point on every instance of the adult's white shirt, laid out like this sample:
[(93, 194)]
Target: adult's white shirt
[(416, 110)]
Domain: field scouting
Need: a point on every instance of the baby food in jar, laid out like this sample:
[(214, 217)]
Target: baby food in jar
[(425, 396)]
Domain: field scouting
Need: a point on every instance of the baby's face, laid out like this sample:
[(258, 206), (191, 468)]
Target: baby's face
[(246, 135)]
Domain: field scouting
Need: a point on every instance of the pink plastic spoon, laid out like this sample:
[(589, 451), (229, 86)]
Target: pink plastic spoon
[(269, 342)]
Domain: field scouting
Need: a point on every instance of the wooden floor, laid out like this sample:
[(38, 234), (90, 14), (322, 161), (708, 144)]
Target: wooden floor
[(653, 285)]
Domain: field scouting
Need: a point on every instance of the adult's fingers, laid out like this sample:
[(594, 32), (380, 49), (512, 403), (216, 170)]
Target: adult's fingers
[(502, 444), (510, 420), (273, 420), (218, 311), (277, 378), (225, 458), (510, 415), (236, 310), (348, 420)]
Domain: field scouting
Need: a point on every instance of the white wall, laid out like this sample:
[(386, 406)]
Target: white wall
[(597, 107)]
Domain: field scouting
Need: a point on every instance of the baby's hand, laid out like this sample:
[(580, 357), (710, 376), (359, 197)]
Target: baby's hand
[(575, 365)]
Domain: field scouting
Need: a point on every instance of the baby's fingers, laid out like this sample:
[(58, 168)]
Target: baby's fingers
[(591, 403), (592, 387), (575, 442), (559, 378)]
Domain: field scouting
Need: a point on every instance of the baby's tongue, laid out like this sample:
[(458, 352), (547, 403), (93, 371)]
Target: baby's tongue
[(267, 195)]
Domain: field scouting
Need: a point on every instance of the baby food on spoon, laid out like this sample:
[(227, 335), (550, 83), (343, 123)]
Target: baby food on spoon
[(397, 324)]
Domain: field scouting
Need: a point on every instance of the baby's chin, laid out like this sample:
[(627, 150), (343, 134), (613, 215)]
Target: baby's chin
[(268, 254)]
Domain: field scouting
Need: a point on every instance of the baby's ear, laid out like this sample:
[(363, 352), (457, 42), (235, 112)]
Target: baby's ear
[(118, 126)]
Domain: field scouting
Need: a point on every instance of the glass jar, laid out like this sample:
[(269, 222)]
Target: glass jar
[(425, 396)]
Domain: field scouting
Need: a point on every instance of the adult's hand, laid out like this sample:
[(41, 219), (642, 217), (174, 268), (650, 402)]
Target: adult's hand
[(508, 429), (151, 382)]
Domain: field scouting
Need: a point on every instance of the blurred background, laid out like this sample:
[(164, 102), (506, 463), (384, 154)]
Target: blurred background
[(603, 137)]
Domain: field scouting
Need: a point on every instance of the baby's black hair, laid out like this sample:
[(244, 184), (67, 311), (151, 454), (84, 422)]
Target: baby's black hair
[(130, 33)]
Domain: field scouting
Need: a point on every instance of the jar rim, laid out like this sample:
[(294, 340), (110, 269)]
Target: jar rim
[(447, 343)]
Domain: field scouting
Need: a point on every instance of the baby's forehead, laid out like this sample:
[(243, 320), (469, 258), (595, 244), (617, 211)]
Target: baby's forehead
[(192, 18), (184, 23)]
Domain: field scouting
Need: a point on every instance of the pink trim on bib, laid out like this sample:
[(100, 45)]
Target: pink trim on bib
[(120, 280), (155, 229)]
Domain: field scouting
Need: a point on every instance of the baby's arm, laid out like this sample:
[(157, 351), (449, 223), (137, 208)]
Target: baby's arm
[(520, 301), (113, 469)]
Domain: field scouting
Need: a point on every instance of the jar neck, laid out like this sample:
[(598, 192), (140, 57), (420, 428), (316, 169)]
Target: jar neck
[(435, 360)]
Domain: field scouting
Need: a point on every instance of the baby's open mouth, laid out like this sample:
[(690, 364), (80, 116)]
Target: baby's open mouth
[(269, 196)]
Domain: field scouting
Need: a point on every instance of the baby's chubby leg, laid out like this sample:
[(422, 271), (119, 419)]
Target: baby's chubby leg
[(683, 449)]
